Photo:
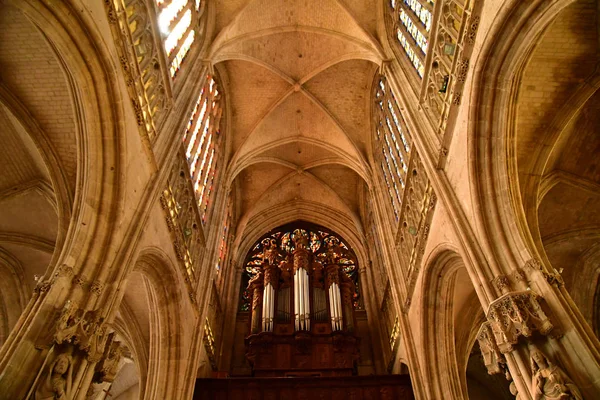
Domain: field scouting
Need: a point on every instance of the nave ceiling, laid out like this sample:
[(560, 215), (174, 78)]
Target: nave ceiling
[(299, 86)]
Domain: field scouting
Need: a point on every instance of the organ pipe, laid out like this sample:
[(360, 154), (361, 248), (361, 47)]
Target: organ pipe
[(268, 308), (335, 307)]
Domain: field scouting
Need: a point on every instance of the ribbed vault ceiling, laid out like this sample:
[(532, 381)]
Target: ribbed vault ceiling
[(299, 76)]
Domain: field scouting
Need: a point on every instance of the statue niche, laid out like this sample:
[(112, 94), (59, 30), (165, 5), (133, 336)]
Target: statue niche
[(302, 286)]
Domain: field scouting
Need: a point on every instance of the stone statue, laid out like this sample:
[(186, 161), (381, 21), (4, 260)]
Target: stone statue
[(57, 384), (549, 381)]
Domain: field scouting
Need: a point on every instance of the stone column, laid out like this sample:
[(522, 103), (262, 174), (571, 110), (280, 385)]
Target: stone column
[(530, 319)]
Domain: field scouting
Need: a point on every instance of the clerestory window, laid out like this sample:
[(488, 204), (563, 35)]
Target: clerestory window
[(202, 142), (393, 143)]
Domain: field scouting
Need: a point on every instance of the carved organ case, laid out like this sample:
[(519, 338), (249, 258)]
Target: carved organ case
[(301, 294)]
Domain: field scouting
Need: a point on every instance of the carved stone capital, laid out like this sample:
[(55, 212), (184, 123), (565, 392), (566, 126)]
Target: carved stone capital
[(520, 275), (97, 287), (64, 271), (108, 367), (502, 283), (85, 329), (43, 286), (534, 263), (517, 314), (80, 280)]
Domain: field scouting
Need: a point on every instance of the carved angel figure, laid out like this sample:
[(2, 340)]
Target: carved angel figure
[(57, 383), (272, 253), (549, 381)]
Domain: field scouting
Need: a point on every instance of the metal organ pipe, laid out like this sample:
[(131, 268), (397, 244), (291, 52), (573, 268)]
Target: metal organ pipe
[(306, 301), (268, 304), (335, 307)]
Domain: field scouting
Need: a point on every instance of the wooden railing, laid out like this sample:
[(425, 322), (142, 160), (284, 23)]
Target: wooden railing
[(397, 387)]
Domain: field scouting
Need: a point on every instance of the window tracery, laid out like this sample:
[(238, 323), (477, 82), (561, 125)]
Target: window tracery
[(410, 193), (202, 141), (394, 143), (412, 21), (177, 29), (436, 39)]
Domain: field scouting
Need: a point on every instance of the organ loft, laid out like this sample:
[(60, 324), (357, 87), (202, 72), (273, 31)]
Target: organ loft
[(292, 200), (303, 293)]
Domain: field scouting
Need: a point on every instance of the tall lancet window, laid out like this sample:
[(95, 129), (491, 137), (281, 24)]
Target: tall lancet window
[(411, 24), (202, 142), (432, 41), (393, 143), (180, 23), (300, 277)]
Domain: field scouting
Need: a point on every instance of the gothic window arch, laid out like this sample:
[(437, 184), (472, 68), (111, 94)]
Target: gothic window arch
[(432, 40), (180, 23), (203, 144), (393, 143), (411, 22)]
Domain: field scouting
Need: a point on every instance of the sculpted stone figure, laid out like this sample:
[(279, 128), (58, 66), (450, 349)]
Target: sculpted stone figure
[(57, 383), (549, 381)]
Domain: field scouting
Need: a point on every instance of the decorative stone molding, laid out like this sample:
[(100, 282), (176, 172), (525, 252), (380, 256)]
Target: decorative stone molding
[(183, 219), (472, 32), (106, 370), (83, 328), (43, 286), (517, 314), (519, 275), (534, 263), (64, 271), (554, 278), (97, 287), (502, 283), (492, 357), (147, 79), (462, 70), (411, 239), (80, 280)]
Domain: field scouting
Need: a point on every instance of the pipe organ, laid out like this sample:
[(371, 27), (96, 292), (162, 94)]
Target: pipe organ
[(302, 285)]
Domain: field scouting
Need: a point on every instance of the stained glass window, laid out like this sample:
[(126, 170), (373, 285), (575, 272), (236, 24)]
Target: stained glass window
[(394, 144), (202, 141), (178, 26), (319, 239), (412, 21)]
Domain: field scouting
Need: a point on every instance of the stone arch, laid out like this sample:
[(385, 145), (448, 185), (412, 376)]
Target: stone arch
[(514, 33), (89, 217), (93, 86), (503, 206), (452, 314), (12, 296), (157, 342)]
